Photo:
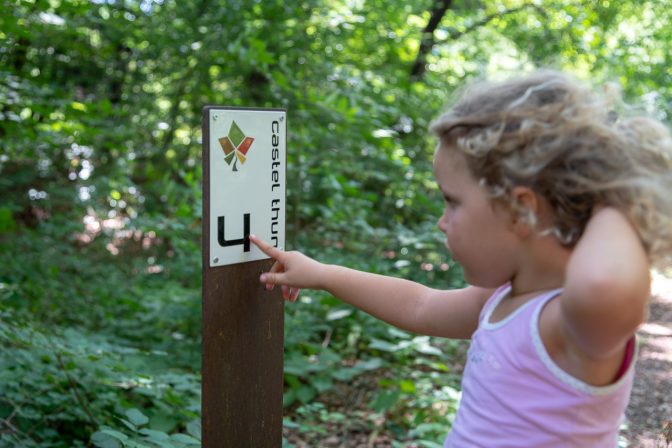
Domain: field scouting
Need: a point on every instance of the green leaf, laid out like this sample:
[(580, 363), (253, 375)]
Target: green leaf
[(78, 106), (423, 429), (371, 364), (422, 345), (183, 438), (136, 417), (339, 314), (103, 440), (427, 349), (7, 223), (322, 383), (289, 397), (128, 424), (407, 386), (287, 423), (194, 429), (397, 333), (296, 367), (116, 434), (305, 394), (383, 345), (429, 444), (345, 374), (161, 439), (385, 400)]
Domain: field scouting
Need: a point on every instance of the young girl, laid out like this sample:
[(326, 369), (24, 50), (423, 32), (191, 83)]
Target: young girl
[(556, 209)]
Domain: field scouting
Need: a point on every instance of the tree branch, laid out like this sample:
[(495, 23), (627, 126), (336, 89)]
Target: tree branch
[(455, 34), (427, 42)]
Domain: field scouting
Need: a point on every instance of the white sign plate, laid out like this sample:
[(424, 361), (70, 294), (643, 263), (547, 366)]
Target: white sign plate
[(248, 159)]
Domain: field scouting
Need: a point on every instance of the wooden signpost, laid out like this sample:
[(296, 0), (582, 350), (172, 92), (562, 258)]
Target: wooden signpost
[(244, 192)]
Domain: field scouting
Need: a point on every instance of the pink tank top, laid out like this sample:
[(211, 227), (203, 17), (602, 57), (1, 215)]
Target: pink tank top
[(514, 395)]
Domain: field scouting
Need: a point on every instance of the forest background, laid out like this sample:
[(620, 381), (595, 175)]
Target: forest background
[(100, 194)]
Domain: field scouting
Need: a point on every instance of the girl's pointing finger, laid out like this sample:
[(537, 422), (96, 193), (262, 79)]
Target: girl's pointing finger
[(266, 248)]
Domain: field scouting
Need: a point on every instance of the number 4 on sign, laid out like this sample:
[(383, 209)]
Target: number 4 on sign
[(245, 240)]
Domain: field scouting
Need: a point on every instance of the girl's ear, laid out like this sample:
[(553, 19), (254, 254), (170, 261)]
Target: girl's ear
[(526, 210)]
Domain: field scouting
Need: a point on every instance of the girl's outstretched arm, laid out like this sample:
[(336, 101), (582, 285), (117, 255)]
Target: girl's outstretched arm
[(402, 303), (607, 285)]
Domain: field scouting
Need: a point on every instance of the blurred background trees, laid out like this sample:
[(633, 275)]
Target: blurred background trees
[(100, 195)]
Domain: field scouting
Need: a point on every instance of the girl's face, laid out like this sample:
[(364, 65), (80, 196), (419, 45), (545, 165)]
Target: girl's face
[(478, 233)]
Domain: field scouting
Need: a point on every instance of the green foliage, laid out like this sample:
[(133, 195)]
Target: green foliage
[(82, 345), (57, 386), (138, 435), (100, 190)]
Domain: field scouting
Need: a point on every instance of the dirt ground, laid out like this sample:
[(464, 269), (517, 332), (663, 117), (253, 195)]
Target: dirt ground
[(649, 416)]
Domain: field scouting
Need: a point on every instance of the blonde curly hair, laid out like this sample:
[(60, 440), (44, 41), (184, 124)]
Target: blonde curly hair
[(552, 134)]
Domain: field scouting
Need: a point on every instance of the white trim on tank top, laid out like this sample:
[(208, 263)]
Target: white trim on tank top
[(545, 358), (565, 377), (488, 313)]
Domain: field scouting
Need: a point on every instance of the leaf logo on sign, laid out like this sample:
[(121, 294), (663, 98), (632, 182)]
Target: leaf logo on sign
[(236, 146)]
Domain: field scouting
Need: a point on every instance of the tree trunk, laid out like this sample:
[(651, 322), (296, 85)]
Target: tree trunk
[(439, 10)]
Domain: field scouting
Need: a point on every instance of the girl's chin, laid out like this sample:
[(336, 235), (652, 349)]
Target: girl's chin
[(474, 279), (482, 281)]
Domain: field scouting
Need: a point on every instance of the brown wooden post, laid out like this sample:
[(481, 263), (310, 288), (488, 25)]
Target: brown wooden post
[(242, 340)]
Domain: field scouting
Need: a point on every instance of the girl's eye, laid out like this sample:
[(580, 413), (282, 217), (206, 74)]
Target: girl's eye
[(450, 202)]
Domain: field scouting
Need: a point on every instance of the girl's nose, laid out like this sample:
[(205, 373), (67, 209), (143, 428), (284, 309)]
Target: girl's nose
[(443, 222)]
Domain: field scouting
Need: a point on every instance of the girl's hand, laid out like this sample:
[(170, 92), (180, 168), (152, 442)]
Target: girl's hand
[(291, 270)]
